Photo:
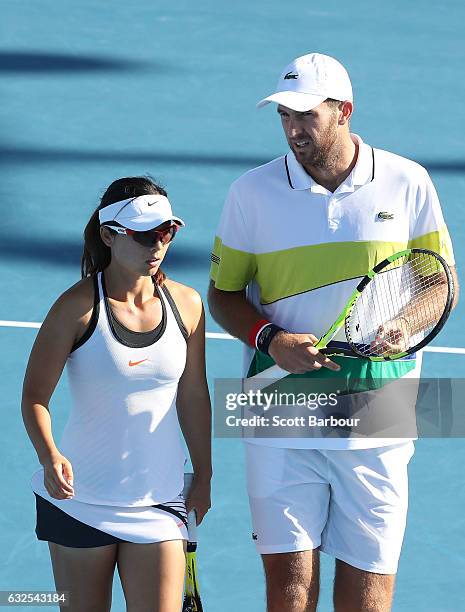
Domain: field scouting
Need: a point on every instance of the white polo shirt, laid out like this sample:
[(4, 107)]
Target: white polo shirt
[(300, 249)]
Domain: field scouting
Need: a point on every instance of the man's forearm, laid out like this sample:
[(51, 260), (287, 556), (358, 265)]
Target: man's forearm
[(233, 312), (293, 352)]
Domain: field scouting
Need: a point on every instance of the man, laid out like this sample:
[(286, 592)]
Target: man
[(294, 236)]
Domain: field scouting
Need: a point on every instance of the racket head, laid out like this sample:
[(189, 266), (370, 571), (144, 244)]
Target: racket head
[(408, 296)]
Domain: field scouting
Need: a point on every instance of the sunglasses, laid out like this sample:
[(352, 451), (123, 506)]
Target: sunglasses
[(148, 238)]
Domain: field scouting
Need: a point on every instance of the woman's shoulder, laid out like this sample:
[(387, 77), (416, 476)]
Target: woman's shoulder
[(188, 302), (78, 300), (71, 312), (183, 292)]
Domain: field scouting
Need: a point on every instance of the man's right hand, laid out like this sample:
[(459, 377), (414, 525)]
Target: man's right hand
[(297, 354)]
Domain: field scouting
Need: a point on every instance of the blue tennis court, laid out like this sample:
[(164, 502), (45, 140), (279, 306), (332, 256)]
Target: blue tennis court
[(91, 93)]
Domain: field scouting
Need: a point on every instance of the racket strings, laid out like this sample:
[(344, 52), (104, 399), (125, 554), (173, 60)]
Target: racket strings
[(399, 307)]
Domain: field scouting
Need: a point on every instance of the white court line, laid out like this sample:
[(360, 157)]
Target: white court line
[(444, 349), (19, 324), (220, 336)]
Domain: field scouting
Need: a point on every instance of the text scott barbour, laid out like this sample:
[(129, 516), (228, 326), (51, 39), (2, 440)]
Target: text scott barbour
[(300, 421)]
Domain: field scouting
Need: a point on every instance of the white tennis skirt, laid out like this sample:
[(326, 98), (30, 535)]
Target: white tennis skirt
[(138, 524)]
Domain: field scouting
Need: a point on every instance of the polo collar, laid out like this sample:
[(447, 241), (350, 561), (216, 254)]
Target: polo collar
[(363, 172)]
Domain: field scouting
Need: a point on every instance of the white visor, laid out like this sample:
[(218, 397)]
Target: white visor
[(140, 214)]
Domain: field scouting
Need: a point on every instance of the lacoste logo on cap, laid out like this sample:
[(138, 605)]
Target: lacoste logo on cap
[(385, 216), (291, 75)]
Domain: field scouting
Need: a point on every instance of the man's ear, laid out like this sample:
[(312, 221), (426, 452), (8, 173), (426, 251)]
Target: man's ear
[(345, 112)]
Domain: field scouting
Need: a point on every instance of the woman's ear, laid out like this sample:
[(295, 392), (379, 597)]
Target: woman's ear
[(107, 236)]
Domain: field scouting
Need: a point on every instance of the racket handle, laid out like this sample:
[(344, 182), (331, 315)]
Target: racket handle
[(273, 372), (191, 517), (261, 380), (188, 478), (192, 526)]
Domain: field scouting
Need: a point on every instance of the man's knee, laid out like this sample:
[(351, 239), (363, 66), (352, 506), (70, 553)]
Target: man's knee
[(357, 590), (292, 581)]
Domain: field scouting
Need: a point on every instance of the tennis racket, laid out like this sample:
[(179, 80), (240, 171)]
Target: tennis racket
[(395, 310), (192, 602)]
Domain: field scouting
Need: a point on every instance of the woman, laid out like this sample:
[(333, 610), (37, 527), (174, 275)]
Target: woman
[(109, 495)]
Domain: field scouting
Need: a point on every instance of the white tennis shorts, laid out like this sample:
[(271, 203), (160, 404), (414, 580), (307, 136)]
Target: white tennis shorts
[(352, 504)]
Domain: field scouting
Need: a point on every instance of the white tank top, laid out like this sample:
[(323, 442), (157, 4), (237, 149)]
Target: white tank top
[(122, 436)]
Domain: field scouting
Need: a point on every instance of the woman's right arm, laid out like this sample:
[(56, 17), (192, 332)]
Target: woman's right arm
[(64, 323)]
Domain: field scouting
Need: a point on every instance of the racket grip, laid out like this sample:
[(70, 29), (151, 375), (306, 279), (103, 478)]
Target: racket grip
[(273, 372), (191, 517), (192, 526), (188, 478)]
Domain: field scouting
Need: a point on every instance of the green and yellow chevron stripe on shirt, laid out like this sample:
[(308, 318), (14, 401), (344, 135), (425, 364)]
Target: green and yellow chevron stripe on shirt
[(438, 241), (231, 269), (284, 273)]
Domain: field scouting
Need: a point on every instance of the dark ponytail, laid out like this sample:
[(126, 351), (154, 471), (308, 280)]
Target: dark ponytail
[(96, 255)]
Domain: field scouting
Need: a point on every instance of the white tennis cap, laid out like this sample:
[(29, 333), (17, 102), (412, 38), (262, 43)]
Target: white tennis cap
[(140, 214), (308, 81)]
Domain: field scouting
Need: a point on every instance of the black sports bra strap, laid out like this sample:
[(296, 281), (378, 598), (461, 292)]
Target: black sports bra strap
[(93, 319), (175, 310)]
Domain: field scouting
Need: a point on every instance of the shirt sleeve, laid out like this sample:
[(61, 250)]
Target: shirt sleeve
[(233, 263), (429, 229)]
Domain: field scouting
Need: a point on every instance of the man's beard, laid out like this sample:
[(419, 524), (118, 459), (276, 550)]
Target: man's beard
[(326, 152)]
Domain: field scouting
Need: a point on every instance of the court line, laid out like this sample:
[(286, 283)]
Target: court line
[(19, 324), (221, 336), (445, 349)]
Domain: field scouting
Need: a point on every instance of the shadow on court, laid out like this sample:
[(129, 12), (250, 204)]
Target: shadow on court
[(37, 61), (67, 253), (34, 155)]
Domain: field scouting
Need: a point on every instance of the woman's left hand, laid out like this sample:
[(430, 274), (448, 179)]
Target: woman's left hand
[(198, 498)]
